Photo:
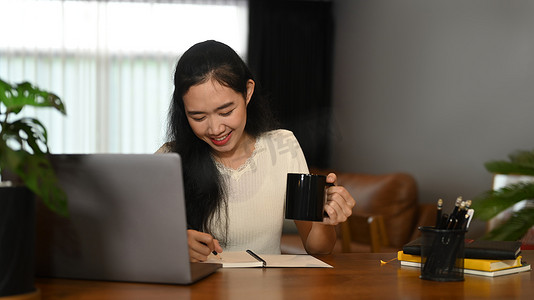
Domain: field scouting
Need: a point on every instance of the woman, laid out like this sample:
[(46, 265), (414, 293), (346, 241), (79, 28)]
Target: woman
[(235, 163)]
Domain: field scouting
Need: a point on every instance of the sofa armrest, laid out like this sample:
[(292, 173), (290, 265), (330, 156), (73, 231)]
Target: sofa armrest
[(363, 228)]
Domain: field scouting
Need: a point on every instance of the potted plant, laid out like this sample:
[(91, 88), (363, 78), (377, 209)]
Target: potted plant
[(491, 203), (24, 162)]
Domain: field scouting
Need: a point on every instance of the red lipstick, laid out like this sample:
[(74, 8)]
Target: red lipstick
[(223, 141)]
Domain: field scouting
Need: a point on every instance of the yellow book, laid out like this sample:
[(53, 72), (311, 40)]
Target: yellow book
[(489, 265)]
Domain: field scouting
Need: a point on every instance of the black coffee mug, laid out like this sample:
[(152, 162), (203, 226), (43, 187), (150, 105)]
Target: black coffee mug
[(306, 197)]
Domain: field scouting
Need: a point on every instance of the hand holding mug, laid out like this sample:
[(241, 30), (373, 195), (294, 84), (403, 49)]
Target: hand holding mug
[(339, 202)]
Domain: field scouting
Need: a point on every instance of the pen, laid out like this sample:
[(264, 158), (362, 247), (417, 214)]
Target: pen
[(462, 221), (439, 211), (456, 207), (216, 254), (470, 213), (257, 257), (443, 222), (452, 217), (213, 252), (460, 216), (468, 204)]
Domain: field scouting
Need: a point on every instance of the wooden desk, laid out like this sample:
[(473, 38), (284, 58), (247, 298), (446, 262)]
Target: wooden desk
[(355, 275)]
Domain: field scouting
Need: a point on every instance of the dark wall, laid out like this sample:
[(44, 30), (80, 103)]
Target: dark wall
[(433, 88)]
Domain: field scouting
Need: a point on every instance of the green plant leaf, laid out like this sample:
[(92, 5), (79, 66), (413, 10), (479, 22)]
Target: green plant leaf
[(504, 167), (16, 97), (46, 184), (514, 228), (38, 175), (10, 159), (491, 203), (27, 131), (523, 158), (20, 136)]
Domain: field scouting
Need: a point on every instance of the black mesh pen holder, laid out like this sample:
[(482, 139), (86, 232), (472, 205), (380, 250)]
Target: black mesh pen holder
[(442, 254)]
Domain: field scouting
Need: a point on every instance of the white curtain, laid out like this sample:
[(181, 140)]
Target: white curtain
[(111, 62)]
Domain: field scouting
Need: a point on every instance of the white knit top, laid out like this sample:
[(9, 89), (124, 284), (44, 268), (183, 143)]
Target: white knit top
[(256, 193)]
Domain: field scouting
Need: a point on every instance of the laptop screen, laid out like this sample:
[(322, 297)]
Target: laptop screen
[(127, 220)]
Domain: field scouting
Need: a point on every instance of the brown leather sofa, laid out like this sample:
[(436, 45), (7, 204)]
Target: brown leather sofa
[(391, 199)]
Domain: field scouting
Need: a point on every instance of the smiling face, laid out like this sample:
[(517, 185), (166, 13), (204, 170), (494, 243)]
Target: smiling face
[(217, 115)]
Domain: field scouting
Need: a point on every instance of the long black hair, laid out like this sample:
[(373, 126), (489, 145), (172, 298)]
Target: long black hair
[(204, 187)]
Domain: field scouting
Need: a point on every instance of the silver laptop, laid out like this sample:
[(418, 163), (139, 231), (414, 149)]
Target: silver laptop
[(127, 221)]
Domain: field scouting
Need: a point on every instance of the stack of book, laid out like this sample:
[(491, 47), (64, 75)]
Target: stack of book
[(483, 258)]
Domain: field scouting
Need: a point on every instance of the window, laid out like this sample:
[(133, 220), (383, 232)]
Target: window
[(112, 63)]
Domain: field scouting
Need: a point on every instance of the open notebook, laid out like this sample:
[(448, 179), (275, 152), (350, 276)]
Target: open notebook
[(249, 259)]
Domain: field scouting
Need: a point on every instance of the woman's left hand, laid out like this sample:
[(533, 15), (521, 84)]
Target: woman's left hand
[(339, 202)]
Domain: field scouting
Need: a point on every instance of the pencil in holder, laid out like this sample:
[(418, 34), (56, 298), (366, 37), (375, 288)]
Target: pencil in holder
[(442, 254)]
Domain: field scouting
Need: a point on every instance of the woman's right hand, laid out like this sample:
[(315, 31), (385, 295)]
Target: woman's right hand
[(201, 245)]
